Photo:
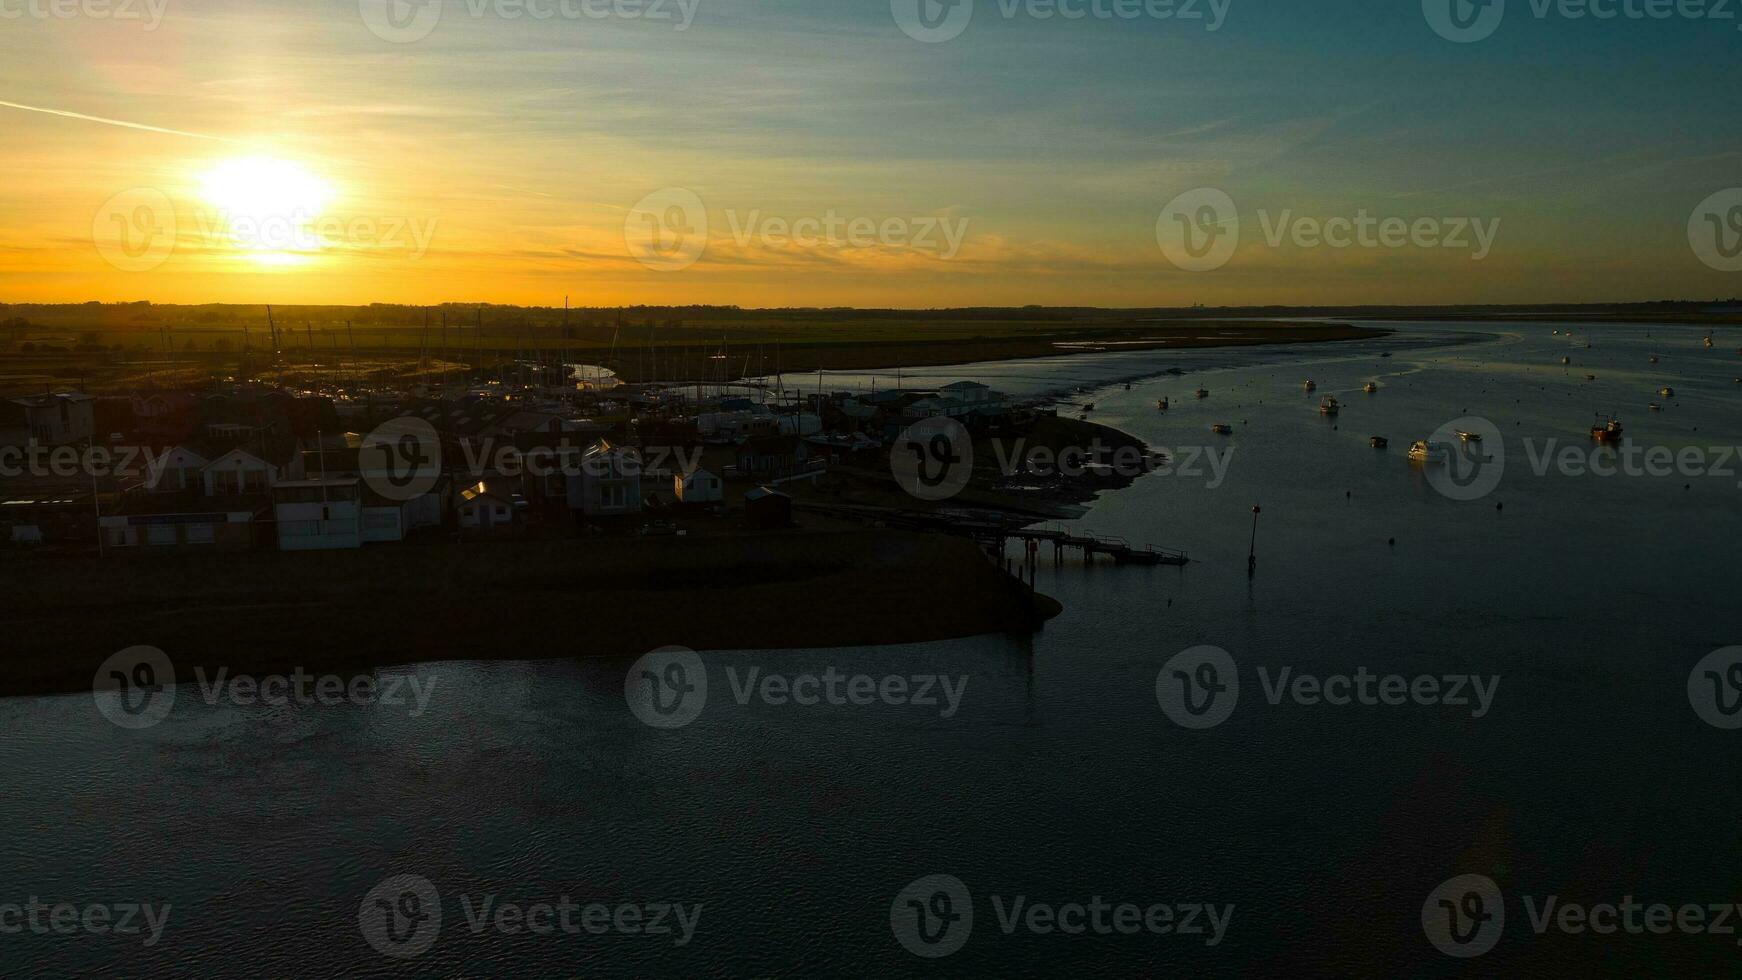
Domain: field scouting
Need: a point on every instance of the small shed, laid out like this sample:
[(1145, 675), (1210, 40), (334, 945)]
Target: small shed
[(698, 487), (767, 510)]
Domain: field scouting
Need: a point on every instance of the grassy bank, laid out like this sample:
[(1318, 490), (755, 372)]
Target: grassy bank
[(266, 612)]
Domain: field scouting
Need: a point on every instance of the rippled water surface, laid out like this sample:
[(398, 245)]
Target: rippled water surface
[(1059, 778)]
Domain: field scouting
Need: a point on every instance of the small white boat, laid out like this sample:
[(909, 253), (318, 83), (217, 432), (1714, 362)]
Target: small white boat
[(1666, 392), (1469, 436), (1655, 407), (1371, 388), (1656, 360), (1311, 386), (1566, 360)]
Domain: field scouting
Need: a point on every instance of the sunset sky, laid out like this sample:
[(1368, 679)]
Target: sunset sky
[(502, 158)]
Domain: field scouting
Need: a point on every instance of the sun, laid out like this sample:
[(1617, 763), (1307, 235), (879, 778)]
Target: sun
[(265, 189), (269, 209)]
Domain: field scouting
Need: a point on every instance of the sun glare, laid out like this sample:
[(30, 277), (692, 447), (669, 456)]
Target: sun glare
[(265, 188), (268, 208)]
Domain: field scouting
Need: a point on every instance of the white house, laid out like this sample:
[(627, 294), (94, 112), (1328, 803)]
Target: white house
[(59, 419), (609, 482), (386, 520), (240, 471), (968, 392), (698, 487), (318, 515), (222, 530), (483, 508), (177, 471)]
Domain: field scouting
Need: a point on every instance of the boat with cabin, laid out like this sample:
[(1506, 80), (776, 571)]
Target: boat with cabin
[(1607, 429)]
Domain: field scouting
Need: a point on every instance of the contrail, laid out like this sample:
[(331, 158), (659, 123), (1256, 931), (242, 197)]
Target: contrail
[(116, 122)]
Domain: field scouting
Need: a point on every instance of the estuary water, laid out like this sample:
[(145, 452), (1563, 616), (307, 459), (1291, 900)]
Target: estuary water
[(1546, 632)]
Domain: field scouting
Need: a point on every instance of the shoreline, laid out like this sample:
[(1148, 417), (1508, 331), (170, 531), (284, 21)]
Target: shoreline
[(272, 612)]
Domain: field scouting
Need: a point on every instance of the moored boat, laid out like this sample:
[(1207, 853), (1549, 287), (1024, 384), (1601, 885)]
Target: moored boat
[(1666, 392), (1379, 442), (1427, 452), (1329, 405), (1607, 429), (1203, 393), (1222, 429), (1371, 387)]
